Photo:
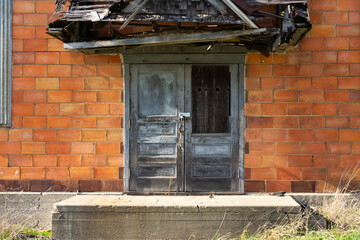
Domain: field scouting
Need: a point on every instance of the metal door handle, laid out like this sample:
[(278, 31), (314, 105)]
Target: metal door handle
[(183, 115)]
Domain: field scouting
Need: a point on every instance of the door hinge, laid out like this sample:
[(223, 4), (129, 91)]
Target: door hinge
[(129, 123)]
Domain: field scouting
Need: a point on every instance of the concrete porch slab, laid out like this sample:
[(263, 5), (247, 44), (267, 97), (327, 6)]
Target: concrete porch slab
[(167, 217)]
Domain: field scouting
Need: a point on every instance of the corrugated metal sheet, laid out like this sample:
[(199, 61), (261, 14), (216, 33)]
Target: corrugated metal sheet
[(5, 61)]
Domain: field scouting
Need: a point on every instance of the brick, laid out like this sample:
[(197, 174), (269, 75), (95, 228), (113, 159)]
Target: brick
[(9, 173), (349, 135), (46, 109), (274, 135), (300, 135), (326, 161), (324, 57), (108, 122), (65, 185), (259, 96), (312, 148), (69, 160), (82, 147), (355, 148), (322, 31), (115, 161), (348, 5), (117, 109), (113, 185), (17, 19), (253, 58), (312, 44), (335, 17), (347, 31), (299, 57), (59, 96), (338, 173), (32, 147), (273, 109), (20, 160), (34, 122), (71, 58), (109, 96), (348, 56), (32, 173), (69, 135), (311, 96), (83, 70), (255, 186), (336, 43), (81, 173), (263, 174), (355, 122), (90, 186), (278, 186), (22, 109), (57, 173), (275, 161), (23, 32), (47, 83), (312, 122), (41, 185), (4, 135), (303, 186), (310, 70), (115, 59), (286, 122), (274, 58), (288, 174), (55, 45), (326, 135), (59, 70), (17, 70), (108, 148), (4, 161), (71, 109), (259, 70), (94, 135), (252, 83), (260, 122), (18, 135), (287, 148), (354, 43), (313, 174), (72, 83), (116, 83), (354, 95), (23, 83), (252, 161), (45, 7), (324, 5), (115, 135), (354, 70), (349, 109), (24, 6), (285, 96), (23, 58), (44, 160), (299, 83), (273, 83), (96, 59), (34, 70), (300, 161), (252, 109), (109, 70), (35, 20), (97, 109), (324, 82), (17, 45), (35, 45), (34, 96), (354, 17), (315, 17), (96, 83), (59, 122), (338, 148), (17, 185), (106, 173), (324, 109), (84, 122), (285, 70), (337, 95), (299, 109), (349, 161), (94, 161), (40, 32), (337, 122), (58, 147), (84, 96), (16, 122), (17, 96)]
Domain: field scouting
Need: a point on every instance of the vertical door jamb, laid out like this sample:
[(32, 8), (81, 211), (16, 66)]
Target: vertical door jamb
[(242, 125)]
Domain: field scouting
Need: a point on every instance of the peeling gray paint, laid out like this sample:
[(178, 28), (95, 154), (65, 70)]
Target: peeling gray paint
[(5, 61)]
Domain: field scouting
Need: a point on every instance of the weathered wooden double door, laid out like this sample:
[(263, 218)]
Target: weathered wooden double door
[(184, 128)]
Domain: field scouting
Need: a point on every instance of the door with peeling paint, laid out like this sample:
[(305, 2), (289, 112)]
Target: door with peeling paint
[(184, 134)]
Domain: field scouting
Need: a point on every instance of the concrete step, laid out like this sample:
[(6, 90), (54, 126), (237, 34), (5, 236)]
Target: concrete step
[(167, 217)]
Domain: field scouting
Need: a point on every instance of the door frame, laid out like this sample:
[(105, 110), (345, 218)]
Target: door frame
[(140, 58)]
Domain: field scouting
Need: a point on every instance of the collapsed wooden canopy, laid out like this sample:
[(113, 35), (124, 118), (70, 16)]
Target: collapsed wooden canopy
[(93, 24)]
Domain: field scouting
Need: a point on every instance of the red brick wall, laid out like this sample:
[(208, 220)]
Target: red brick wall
[(303, 107), (67, 114)]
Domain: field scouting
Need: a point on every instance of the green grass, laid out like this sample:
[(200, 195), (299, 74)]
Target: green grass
[(19, 233)]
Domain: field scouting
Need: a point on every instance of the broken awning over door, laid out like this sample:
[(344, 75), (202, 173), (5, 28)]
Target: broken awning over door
[(265, 25)]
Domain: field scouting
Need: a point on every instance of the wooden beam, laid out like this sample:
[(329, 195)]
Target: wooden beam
[(274, 2), (166, 39), (240, 13), (133, 15)]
